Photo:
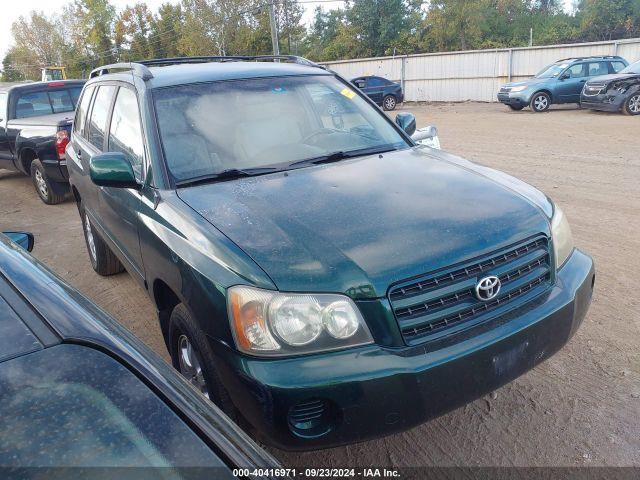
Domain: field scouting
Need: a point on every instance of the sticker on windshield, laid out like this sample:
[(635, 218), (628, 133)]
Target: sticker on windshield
[(348, 93), (279, 90)]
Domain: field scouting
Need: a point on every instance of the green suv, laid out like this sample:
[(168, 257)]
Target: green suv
[(317, 274)]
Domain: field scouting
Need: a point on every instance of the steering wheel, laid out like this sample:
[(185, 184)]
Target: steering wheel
[(322, 131)]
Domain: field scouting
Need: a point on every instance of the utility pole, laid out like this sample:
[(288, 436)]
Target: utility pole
[(274, 28), (531, 37)]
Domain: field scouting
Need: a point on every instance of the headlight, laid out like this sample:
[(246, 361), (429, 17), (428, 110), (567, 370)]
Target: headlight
[(562, 238), (519, 89), (271, 323)]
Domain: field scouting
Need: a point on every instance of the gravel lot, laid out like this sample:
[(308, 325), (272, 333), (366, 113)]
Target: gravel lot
[(582, 407)]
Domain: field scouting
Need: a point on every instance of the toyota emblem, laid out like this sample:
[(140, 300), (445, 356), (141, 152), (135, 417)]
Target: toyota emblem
[(487, 288)]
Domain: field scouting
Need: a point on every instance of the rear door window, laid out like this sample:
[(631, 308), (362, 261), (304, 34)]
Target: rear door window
[(125, 134), (33, 104), (100, 114), (596, 69), (376, 82), (81, 112)]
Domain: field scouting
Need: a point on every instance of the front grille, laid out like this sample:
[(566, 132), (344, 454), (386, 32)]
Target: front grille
[(446, 299), (505, 89)]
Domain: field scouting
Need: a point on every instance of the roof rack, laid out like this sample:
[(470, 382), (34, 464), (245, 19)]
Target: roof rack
[(141, 68), (136, 68), (590, 56), (230, 58)]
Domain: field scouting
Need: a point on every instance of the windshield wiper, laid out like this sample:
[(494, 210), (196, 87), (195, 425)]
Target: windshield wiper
[(341, 155), (229, 174)]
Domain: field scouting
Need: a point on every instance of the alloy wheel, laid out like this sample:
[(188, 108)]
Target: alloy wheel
[(634, 104), (540, 103), (390, 103), (41, 184), (190, 367), (90, 240)]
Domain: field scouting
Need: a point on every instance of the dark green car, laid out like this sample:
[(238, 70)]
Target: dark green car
[(316, 273)]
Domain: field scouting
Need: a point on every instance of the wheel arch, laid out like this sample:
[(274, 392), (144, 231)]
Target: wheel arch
[(165, 299), (26, 156)]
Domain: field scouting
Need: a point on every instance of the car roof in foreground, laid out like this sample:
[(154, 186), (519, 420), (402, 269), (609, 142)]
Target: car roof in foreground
[(38, 310), (182, 74)]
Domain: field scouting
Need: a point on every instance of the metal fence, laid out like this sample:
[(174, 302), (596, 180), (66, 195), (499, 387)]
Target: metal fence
[(476, 74)]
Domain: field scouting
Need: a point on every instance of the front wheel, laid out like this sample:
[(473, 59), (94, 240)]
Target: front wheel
[(192, 356), (389, 103), (540, 102), (43, 185), (632, 105)]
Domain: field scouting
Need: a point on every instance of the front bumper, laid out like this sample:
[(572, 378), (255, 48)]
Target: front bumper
[(374, 391), (518, 99), (603, 101)]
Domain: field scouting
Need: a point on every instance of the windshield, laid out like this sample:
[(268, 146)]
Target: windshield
[(552, 70), (249, 124), (633, 68)]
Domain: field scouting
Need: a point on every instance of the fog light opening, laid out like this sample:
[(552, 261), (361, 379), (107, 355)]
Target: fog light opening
[(313, 418)]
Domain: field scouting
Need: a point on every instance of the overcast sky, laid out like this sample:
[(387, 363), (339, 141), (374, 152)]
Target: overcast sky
[(15, 9)]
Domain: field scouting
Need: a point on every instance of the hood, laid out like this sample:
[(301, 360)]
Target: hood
[(612, 76), (528, 82), (359, 225)]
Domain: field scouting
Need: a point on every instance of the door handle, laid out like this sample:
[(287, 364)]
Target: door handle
[(79, 153)]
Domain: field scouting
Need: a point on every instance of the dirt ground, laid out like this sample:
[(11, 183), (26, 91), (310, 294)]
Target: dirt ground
[(582, 407)]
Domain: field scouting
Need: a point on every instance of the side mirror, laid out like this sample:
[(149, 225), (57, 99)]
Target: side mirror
[(22, 239), (427, 136), (407, 122), (112, 169), (565, 76)]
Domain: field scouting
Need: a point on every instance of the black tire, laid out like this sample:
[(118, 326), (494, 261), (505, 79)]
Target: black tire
[(389, 103), (102, 259), (42, 184), (632, 104), (540, 102), (183, 326), (517, 108)]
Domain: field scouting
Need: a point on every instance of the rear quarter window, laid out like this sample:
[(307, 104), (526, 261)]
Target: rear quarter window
[(617, 66), (81, 112)]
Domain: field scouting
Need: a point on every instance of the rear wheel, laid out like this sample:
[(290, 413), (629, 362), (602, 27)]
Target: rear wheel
[(103, 260), (192, 356), (632, 105), (43, 184), (516, 107), (540, 102), (389, 102)]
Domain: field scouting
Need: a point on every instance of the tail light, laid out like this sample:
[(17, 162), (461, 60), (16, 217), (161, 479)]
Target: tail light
[(62, 140)]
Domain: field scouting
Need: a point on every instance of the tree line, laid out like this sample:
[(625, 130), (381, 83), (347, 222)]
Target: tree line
[(89, 33)]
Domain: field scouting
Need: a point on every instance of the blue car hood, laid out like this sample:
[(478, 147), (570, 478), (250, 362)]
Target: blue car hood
[(359, 225), (529, 82)]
